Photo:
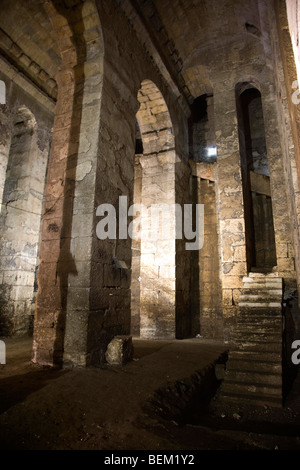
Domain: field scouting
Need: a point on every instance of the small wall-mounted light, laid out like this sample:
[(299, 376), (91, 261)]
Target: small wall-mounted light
[(211, 152), (120, 264)]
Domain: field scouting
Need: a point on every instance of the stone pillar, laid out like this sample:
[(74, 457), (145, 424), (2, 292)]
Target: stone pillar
[(290, 116), (5, 139), (278, 183), (229, 204), (20, 223), (158, 221), (158, 249), (206, 286), (79, 259), (62, 319), (185, 321), (53, 269), (136, 255)]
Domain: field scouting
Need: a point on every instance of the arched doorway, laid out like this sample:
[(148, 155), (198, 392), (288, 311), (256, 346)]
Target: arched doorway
[(153, 315), (259, 227)]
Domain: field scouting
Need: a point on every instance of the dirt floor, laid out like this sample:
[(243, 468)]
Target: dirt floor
[(159, 401)]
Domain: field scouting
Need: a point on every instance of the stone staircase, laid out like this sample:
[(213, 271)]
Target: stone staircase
[(254, 367)]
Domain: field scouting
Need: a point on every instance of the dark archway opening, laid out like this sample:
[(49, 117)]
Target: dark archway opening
[(259, 226)]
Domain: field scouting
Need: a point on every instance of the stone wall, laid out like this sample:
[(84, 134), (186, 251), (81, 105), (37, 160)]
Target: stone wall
[(110, 76), (84, 298), (205, 263), (26, 120), (136, 254), (290, 121), (247, 61)]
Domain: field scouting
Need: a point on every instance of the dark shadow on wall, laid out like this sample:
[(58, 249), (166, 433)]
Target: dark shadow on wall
[(66, 264)]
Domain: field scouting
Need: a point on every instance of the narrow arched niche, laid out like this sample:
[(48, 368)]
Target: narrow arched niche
[(259, 226), (202, 129)]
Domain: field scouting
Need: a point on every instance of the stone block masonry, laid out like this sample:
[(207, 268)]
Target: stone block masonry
[(119, 350)]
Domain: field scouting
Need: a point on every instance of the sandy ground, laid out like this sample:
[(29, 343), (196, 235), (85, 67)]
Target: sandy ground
[(148, 404)]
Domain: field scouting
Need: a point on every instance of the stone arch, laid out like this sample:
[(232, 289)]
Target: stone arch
[(62, 311), (198, 80), (155, 190), (154, 120)]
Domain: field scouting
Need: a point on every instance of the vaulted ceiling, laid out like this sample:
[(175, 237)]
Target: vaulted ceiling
[(196, 26), (185, 33), (27, 41)]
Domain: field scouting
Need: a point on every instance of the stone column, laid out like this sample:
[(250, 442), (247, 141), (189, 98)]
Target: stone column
[(206, 286), (185, 320), (54, 268), (229, 203), (136, 255), (63, 301), (20, 223), (82, 232), (5, 139), (158, 250), (278, 183)]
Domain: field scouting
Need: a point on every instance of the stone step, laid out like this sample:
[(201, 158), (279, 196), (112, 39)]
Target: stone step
[(260, 274), (258, 343), (253, 304), (267, 357), (259, 322), (253, 400), (254, 367), (258, 334), (252, 389), (260, 298), (242, 336), (254, 322), (255, 376), (254, 346), (276, 283), (267, 332), (258, 366), (265, 312), (260, 287), (262, 292), (261, 278), (263, 281)]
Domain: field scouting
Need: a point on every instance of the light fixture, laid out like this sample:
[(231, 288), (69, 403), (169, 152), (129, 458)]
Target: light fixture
[(211, 152)]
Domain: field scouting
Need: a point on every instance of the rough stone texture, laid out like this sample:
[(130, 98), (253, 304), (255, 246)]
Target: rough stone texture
[(287, 75), (254, 368), (88, 72), (136, 254), (185, 319), (25, 144), (205, 273), (119, 350)]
